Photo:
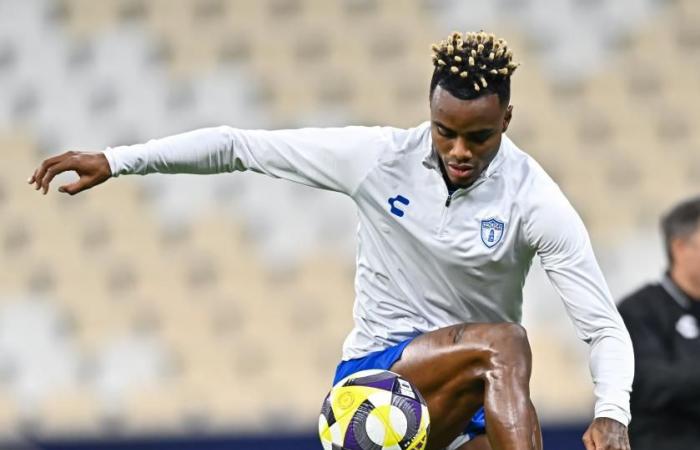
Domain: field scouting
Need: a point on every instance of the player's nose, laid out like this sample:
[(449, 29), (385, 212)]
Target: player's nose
[(461, 150)]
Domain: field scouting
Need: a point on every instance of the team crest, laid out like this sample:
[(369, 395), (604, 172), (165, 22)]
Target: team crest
[(491, 232)]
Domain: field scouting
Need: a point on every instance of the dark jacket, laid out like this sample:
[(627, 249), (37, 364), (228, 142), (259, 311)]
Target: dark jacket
[(664, 325)]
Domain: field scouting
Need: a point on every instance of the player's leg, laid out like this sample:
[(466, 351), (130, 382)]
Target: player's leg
[(481, 441), (460, 368)]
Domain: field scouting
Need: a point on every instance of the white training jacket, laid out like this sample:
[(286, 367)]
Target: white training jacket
[(425, 259)]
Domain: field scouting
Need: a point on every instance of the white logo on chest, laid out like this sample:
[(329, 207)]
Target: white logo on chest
[(687, 326)]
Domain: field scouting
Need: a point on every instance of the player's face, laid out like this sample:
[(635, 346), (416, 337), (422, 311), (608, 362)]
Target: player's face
[(688, 255), (466, 134)]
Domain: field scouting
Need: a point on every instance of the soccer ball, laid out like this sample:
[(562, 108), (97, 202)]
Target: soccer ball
[(374, 410)]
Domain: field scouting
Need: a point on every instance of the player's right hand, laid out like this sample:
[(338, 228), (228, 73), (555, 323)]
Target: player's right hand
[(606, 434), (92, 168)]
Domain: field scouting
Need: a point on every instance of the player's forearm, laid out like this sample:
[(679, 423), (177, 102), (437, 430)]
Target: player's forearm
[(582, 287), (612, 368), (204, 151)]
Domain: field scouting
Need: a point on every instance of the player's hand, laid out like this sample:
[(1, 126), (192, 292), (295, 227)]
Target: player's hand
[(606, 434), (92, 168)]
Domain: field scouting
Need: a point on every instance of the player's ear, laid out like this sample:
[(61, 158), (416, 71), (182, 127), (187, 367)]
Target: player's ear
[(507, 117), (678, 245)]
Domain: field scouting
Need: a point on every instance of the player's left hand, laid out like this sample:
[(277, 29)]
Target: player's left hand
[(606, 434)]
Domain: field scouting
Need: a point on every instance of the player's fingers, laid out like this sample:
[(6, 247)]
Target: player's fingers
[(39, 171), (588, 441), (625, 444), (52, 171), (44, 166), (621, 442), (79, 186)]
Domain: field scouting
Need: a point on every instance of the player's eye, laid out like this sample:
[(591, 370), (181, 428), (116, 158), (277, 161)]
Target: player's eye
[(480, 138), (444, 132)]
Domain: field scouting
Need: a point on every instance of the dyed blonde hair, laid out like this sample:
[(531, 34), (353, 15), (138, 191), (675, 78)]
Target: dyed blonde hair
[(473, 64)]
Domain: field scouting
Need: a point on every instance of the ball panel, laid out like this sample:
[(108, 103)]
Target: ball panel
[(419, 441), (352, 376), (384, 380), (323, 428), (337, 431), (398, 423), (359, 434), (425, 417), (327, 411), (347, 398), (376, 429), (411, 411), (404, 388), (380, 398), (380, 428)]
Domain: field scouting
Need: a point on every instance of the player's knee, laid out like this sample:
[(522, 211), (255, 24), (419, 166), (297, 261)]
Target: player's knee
[(509, 350), (494, 340), (512, 350), (490, 335), (512, 335)]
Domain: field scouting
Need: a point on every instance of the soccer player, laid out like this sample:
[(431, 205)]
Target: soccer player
[(451, 214)]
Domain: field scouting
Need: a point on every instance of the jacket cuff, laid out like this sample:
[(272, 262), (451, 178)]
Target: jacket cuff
[(109, 154), (617, 414)]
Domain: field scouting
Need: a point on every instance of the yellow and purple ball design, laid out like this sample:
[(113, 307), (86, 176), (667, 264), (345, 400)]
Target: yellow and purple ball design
[(374, 410)]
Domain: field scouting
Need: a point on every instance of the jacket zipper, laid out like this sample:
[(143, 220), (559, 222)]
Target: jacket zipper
[(445, 211)]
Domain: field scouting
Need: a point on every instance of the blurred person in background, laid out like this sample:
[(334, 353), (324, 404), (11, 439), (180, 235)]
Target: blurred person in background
[(452, 213), (664, 322)]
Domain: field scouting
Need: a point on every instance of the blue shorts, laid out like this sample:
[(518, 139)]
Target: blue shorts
[(384, 359)]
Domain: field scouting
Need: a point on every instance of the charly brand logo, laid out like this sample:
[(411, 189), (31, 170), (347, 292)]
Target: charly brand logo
[(491, 231), (392, 202)]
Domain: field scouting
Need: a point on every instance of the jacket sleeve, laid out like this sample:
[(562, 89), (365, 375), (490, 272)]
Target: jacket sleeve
[(556, 232), (335, 159), (660, 380)]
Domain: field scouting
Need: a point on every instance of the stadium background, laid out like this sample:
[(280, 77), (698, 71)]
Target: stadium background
[(210, 311)]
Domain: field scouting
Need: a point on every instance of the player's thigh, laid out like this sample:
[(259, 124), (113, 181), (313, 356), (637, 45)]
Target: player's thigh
[(457, 357), (436, 362), (448, 366)]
